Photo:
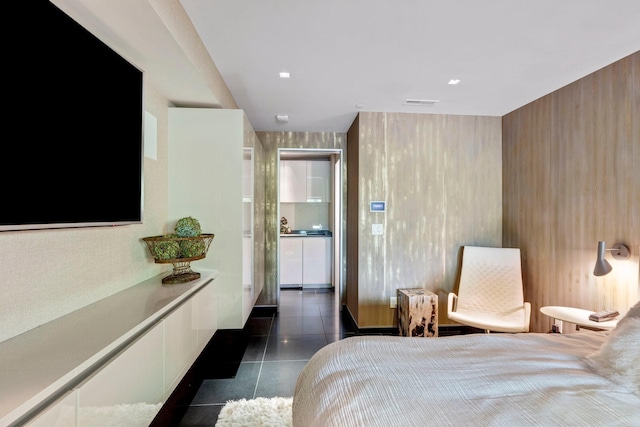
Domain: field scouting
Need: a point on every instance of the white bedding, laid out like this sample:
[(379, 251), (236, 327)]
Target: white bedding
[(469, 380)]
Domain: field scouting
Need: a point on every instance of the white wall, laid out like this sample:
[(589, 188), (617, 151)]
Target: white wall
[(49, 273)]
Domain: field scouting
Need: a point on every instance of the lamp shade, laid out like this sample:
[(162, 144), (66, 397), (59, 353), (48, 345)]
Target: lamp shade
[(602, 265)]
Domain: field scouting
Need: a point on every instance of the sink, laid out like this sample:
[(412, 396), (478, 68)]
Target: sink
[(318, 233)]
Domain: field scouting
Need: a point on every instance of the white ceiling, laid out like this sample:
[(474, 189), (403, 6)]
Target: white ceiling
[(346, 56)]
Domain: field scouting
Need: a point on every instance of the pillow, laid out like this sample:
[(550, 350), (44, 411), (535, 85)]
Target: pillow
[(619, 357), (634, 312)]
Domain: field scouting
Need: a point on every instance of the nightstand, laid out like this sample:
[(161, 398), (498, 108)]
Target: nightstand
[(576, 316)]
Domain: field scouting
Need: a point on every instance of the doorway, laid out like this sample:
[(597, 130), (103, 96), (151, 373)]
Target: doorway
[(312, 213)]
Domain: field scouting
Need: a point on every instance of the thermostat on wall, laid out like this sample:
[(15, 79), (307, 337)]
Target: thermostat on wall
[(377, 206)]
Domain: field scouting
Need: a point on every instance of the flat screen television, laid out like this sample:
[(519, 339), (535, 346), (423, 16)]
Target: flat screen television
[(73, 148)]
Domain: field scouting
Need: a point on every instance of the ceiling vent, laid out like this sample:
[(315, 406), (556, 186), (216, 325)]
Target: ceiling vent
[(420, 102)]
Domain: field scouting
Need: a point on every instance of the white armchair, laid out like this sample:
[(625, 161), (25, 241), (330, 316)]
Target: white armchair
[(490, 293)]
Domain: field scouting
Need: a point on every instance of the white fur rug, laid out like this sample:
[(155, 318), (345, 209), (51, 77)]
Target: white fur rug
[(258, 412), (121, 415)]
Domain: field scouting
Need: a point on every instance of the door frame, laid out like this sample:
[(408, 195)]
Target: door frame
[(338, 233)]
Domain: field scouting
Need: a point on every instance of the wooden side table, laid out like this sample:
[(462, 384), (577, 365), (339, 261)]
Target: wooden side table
[(417, 313)]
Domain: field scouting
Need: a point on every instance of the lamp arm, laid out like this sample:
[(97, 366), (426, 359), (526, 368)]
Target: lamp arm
[(620, 251)]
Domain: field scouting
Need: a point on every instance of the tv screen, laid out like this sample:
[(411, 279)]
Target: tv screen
[(73, 150)]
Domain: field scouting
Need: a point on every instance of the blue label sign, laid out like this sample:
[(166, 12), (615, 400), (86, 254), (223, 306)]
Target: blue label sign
[(377, 206)]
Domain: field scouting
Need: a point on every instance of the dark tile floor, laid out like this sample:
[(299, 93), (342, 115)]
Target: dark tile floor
[(277, 349)]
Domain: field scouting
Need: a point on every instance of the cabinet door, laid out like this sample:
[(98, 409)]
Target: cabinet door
[(316, 261), (293, 181), (291, 261), (181, 349), (206, 314), (318, 181), (133, 377), (62, 413)]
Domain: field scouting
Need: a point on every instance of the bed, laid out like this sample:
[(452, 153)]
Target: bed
[(588, 378)]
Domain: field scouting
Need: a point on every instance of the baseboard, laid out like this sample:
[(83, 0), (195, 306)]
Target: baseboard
[(443, 330), (264, 311)]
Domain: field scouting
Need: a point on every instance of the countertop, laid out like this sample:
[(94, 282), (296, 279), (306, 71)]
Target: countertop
[(307, 233)]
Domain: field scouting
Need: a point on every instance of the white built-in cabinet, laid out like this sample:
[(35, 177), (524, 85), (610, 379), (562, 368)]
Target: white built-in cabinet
[(305, 261), (291, 261), (303, 181), (293, 181), (211, 174), (142, 375), (316, 260), (318, 181)]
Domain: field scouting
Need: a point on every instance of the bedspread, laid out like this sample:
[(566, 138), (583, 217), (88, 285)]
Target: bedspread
[(530, 379)]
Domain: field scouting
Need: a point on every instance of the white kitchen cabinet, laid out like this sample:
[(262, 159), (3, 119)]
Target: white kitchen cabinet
[(318, 181), (291, 261), (316, 261), (305, 261), (303, 181), (293, 181)]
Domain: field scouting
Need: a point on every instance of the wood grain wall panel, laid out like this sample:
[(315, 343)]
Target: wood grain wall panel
[(571, 179), (441, 179), (353, 214), (373, 294), (531, 182), (259, 206), (271, 142)]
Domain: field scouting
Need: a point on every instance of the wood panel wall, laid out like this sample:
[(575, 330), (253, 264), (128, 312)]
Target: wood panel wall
[(571, 177), (352, 231), (259, 207), (441, 178), (271, 142)]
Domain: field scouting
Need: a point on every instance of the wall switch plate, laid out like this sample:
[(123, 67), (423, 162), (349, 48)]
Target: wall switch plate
[(393, 302), (376, 229)]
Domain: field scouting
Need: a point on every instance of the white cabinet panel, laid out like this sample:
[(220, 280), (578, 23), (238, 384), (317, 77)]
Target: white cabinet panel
[(212, 158), (316, 260), (62, 413), (318, 181), (305, 260), (205, 315), (303, 181), (291, 261), (293, 181), (180, 344), (134, 377)]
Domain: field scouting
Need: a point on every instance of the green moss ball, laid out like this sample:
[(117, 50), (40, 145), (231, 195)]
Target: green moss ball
[(192, 248), (188, 227), (166, 249)]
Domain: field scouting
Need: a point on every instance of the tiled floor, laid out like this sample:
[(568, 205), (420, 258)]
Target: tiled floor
[(277, 349)]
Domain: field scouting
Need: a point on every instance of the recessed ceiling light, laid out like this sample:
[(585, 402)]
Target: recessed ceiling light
[(454, 81), (284, 75), (282, 118)]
